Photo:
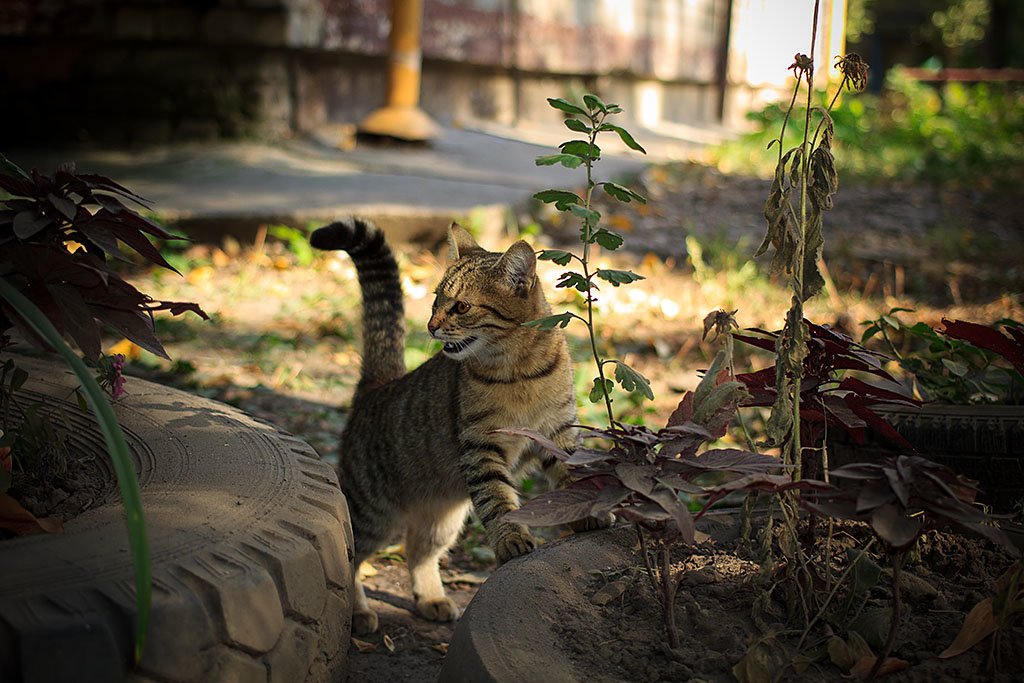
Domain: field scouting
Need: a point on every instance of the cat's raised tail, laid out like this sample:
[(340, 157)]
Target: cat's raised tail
[(383, 308)]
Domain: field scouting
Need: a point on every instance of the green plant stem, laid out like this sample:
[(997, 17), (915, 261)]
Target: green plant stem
[(119, 455), (892, 347), (785, 121), (817, 129), (587, 227)]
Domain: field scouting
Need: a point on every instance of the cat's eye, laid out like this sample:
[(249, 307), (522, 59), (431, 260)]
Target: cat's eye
[(461, 307)]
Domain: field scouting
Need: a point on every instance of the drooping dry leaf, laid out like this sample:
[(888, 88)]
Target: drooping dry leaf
[(753, 668), (859, 647), (840, 654), (16, 518), (801, 663), (978, 625)]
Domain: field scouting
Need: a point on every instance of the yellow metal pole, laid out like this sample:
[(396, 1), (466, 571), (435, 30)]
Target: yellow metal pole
[(401, 117)]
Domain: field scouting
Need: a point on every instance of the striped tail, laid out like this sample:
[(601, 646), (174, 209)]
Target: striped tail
[(383, 308)]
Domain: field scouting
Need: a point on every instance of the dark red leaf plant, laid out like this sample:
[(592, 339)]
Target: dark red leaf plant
[(58, 237), (57, 234), (829, 394), (901, 499), (642, 476)]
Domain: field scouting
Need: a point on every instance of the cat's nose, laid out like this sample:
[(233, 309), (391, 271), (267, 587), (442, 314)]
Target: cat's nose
[(433, 326)]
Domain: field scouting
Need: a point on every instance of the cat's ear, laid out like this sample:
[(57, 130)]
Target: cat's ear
[(460, 242), (517, 266)]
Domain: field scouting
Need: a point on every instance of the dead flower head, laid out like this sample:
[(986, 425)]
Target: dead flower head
[(854, 70), (801, 64), (721, 321)]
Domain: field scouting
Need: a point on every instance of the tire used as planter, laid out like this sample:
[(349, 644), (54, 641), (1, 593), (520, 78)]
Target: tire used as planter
[(983, 442), (250, 548)]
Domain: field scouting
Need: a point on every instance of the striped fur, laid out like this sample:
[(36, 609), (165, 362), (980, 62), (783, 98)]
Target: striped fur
[(417, 450)]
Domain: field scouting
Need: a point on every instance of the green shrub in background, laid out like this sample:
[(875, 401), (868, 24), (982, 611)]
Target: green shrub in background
[(963, 134)]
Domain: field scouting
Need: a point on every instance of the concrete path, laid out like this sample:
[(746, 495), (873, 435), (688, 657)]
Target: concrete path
[(238, 185)]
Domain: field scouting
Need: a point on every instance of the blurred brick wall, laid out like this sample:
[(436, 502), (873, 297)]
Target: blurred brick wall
[(151, 71)]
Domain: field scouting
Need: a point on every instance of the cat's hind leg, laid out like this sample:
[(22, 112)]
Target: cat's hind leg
[(431, 530), (372, 526)]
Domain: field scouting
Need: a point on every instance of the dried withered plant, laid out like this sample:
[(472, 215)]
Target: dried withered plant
[(801, 191)]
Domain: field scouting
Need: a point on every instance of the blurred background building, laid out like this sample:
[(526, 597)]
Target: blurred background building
[(154, 71)]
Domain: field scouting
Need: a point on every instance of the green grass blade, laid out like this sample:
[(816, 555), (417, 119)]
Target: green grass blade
[(118, 449)]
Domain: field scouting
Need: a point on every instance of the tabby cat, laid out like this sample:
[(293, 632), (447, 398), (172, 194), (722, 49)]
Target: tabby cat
[(417, 449)]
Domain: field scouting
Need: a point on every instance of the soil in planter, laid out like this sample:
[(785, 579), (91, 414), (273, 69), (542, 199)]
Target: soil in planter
[(69, 473), (82, 484), (728, 607)]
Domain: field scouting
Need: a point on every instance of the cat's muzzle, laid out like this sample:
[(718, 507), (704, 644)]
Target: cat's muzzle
[(457, 347)]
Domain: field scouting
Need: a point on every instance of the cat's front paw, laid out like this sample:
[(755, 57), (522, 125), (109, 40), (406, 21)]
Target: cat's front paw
[(513, 543), (440, 609), (590, 523)]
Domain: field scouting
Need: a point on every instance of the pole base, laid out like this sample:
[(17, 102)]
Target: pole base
[(403, 123)]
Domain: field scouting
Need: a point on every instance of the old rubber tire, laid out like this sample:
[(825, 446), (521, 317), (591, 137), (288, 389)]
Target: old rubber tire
[(250, 545)]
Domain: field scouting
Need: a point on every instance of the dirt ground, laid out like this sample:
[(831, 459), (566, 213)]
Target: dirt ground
[(284, 346), (734, 620), (892, 244)]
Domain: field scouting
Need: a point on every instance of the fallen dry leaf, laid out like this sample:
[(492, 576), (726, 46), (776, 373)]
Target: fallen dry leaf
[(388, 643), (200, 275), (978, 625), (220, 258), (862, 669), (363, 646), (472, 578), (126, 348), (440, 647), (609, 592), (16, 518)]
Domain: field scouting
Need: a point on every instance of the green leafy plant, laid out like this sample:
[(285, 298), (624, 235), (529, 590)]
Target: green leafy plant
[(961, 363), (591, 120), (297, 241), (954, 133)]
